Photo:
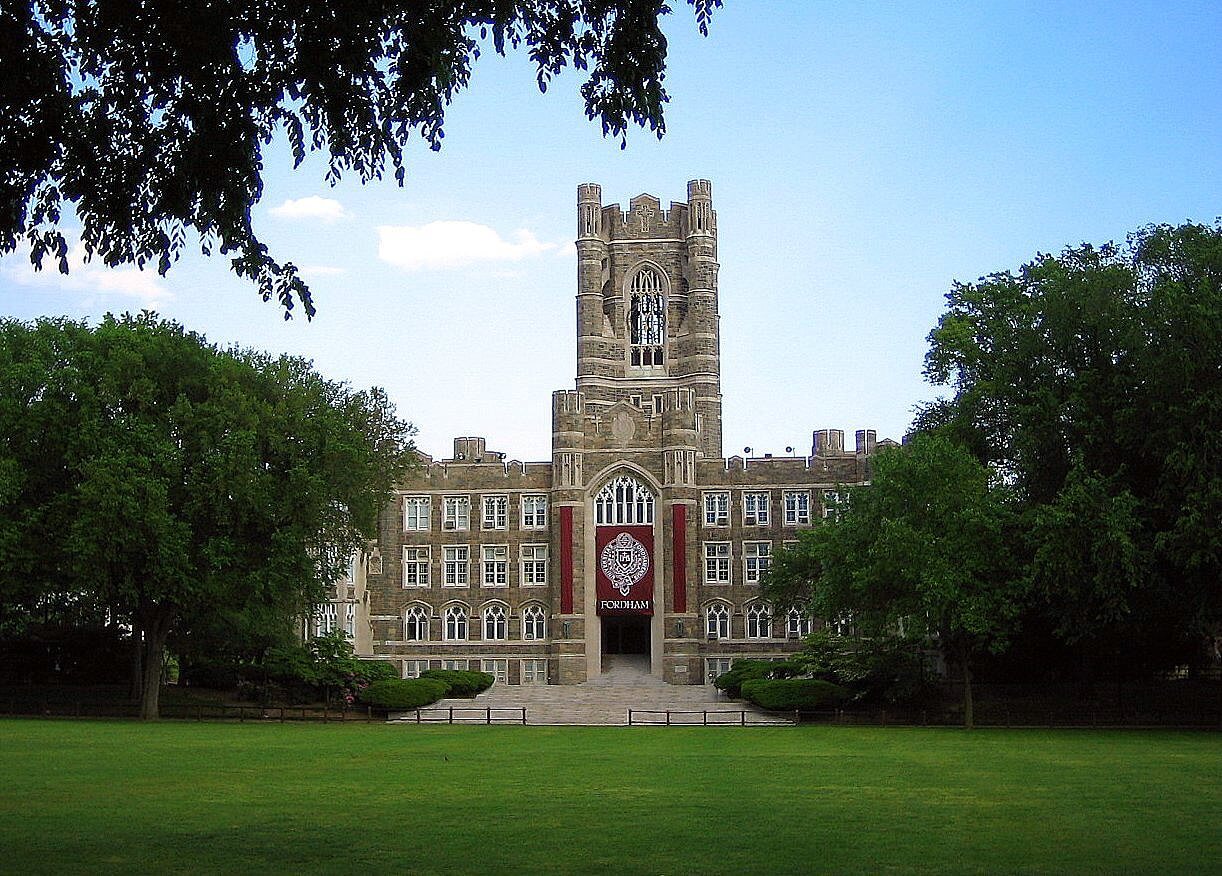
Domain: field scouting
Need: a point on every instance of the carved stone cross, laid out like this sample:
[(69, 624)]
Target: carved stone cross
[(644, 212)]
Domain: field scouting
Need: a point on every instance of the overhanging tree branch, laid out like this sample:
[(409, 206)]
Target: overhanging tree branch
[(151, 118)]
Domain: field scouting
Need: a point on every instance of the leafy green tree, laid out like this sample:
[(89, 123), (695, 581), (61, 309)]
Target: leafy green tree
[(924, 550), (150, 119), (169, 479), (1093, 381), (886, 669)]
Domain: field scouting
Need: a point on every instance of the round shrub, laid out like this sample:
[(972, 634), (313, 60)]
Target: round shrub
[(396, 694), (740, 671), (791, 693), (461, 682)]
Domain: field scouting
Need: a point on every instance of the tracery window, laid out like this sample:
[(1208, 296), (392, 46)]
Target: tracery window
[(717, 621), (797, 508), (835, 502), (755, 509), (624, 500), (416, 512), (717, 509), (496, 512), (799, 624), (647, 318), (759, 621), (534, 622), (456, 623), (327, 619), (534, 512), (416, 624), (456, 512), (496, 625)]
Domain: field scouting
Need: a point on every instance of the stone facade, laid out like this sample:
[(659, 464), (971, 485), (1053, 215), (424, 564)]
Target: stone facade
[(480, 558)]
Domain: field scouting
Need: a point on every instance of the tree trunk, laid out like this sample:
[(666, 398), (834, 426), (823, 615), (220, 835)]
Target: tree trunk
[(156, 631), (969, 718), (136, 679)]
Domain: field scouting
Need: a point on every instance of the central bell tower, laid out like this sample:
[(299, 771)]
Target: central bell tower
[(647, 322)]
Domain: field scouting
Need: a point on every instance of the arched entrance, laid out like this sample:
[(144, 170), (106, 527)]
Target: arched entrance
[(624, 557)]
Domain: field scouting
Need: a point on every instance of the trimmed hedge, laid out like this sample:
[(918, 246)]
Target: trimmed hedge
[(791, 693), (744, 670), (395, 694), (740, 670), (461, 682)]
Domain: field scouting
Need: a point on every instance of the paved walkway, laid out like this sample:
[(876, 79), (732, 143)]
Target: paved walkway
[(625, 684)]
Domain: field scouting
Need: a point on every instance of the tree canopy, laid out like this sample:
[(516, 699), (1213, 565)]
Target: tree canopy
[(167, 480), (1093, 381), (923, 549), (151, 119)]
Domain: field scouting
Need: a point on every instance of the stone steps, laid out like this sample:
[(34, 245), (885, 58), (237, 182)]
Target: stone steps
[(603, 701)]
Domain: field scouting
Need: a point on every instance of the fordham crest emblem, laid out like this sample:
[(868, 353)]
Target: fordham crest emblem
[(624, 561)]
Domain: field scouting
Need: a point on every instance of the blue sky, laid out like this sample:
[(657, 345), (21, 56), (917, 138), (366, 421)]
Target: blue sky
[(863, 157)]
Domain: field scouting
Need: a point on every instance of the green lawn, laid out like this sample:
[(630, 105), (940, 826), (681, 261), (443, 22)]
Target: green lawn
[(116, 796)]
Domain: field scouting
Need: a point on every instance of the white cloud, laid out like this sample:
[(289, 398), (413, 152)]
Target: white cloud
[(323, 209), (145, 286), (452, 244)]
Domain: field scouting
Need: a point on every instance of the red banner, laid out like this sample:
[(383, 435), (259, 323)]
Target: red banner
[(678, 547), (624, 558), (566, 559)]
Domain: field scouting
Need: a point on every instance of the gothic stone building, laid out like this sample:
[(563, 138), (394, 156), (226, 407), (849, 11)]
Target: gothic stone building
[(638, 536)]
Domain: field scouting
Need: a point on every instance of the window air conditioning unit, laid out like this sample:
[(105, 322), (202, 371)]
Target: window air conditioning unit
[(529, 636)]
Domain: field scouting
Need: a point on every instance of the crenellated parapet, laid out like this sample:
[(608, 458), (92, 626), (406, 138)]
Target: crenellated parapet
[(701, 220), (678, 413), (589, 211), (568, 412), (644, 219)]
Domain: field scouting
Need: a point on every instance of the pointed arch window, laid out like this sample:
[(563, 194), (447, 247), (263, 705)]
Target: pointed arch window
[(416, 624), (623, 501), (534, 622), (495, 622), (456, 623), (647, 318), (759, 621)]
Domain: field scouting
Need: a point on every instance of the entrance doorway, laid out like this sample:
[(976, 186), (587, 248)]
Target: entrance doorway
[(626, 635)]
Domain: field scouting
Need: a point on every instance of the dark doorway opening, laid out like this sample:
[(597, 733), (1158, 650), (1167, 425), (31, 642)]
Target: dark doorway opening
[(626, 635)]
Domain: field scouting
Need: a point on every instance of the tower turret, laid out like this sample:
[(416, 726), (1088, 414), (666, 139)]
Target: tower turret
[(699, 354), (593, 263)]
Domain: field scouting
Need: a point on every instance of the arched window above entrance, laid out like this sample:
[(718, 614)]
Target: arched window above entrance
[(623, 501)]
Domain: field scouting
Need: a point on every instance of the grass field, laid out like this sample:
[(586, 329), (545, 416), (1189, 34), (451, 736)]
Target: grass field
[(116, 796)]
